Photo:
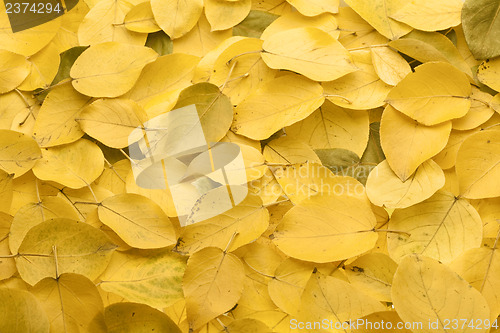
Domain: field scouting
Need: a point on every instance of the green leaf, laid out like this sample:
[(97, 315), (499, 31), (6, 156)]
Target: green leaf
[(160, 42), (254, 24), (481, 24), (68, 57)]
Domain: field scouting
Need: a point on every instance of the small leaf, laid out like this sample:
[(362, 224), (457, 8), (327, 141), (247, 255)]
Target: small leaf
[(254, 24), (176, 18), (14, 69), (140, 19), (18, 152)]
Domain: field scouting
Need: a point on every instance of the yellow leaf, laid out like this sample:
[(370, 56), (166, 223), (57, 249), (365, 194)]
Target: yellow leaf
[(224, 15), (288, 284), (448, 156), (17, 110), (56, 121), (478, 165), (18, 152), (247, 325), (441, 227), (67, 36), (72, 303), (109, 69), (114, 176), (14, 68), (308, 51), (44, 67), (489, 210), (159, 79), (288, 150), (79, 248), (434, 93), (431, 46), (138, 318), (315, 7), (239, 68), (6, 191), (407, 144), (277, 7), (480, 111), (415, 287), (103, 23), (323, 298), (377, 322), (151, 277), (29, 41), (481, 268), (488, 71), (389, 65), (362, 89), (266, 187), (25, 190), (278, 103), (111, 121), (332, 126), (137, 220), (429, 15), (35, 213), (20, 311), (384, 188), (379, 15), (325, 22), (372, 274), (7, 263), (74, 165), (200, 40), (212, 284), (140, 19), (176, 18), (249, 219), (318, 230)]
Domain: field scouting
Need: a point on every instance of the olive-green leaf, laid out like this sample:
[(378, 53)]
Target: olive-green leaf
[(481, 24)]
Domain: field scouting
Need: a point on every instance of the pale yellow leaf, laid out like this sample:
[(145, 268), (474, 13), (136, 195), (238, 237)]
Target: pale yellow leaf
[(488, 73), (224, 15), (44, 67), (325, 22), (429, 15), (389, 65), (448, 156), (315, 7), (176, 18), (7, 263), (140, 19), (18, 152), (14, 68), (288, 150), (480, 111)]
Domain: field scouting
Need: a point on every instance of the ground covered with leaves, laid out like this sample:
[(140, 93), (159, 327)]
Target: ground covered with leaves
[(370, 135)]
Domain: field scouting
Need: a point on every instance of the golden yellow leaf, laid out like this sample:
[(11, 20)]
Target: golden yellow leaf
[(72, 303), (481, 268), (56, 121), (480, 111), (434, 93), (266, 187), (323, 298), (384, 188), (35, 213), (247, 325), (308, 51), (7, 263), (278, 103), (74, 165), (249, 219), (379, 15), (20, 311), (240, 69), (67, 35), (288, 150), (441, 227), (151, 277), (116, 71), (176, 18), (224, 15), (26, 42), (28, 189), (14, 68), (448, 156), (212, 284), (114, 176), (6, 191), (111, 121), (290, 280), (325, 22), (372, 274), (104, 23), (18, 152), (429, 15), (489, 210), (389, 65), (478, 165), (407, 144), (415, 287), (431, 46), (140, 19), (360, 90), (44, 67), (79, 248), (488, 71), (137, 220), (315, 7), (138, 318), (332, 126), (200, 40), (318, 230)]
